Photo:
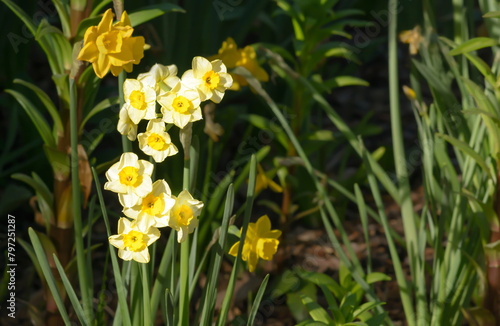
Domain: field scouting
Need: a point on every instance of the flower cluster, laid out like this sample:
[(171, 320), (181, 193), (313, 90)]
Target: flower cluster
[(179, 99), (111, 46), (233, 57), (149, 205)]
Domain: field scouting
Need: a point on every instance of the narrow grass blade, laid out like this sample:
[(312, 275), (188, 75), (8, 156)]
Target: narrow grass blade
[(169, 309), (256, 302), (211, 292), (364, 222), (47, 273), (71, 293), (162, 278)]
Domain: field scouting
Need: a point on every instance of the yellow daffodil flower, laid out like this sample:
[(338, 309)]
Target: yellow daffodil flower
[(130, 178), (156, 142), (112, 47), (260, 241), (140, 100), (153, 209), (181, 105), (233, 57), (263, 182), (161, 78), (132, 243), (126, 126), (412, 37), (183, 217), (210, 78)]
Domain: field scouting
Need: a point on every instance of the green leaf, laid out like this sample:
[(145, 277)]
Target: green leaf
[(342, 81), (49, 277), (492, 14), (365, 307), (211, 293), (169, 308), (377, 277), (317, 313), (104, 104), (49, 105), (266, 124), (467, 150), (35, 116), (63, 12), (150, 12), (59, 162), (473, 45), (37, 185), (258, 299), (71, 292)]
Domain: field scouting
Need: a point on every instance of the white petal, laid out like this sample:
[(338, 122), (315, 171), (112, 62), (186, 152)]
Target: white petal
[(217, 96), (125, 254), (129, 86), (115, 186), (141, 256), (117, 241), (146, 168), (200, 67), (128, 199)]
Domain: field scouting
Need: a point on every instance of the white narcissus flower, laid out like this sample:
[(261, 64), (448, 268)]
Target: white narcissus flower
[(126, 126), (161, 78), (181, 105), (183, 217), (132, 243), (140, 100), (210, 78), (153, 209), (130, 178), (156, 142)]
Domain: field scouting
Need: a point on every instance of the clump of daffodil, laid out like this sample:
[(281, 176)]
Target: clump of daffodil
[(112, 47), (132, 243), (126, 126), (413, 37), (260, 242), (153, 209), (130, 178), (233, 57), (156, 142), (181, 105), (140, 100), (183, 217), (161, 78), (209, 77), (262, 182)]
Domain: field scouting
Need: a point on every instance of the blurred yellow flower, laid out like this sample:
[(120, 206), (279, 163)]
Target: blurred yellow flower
[(263, 182), (233, 57), (210, 78), (181, 105), (413, 37), (140, 100), (133, 243), (126, 126), (161, 78), (156, 142), (409, 93), (112, 47), (183, 217), (153, 209), (260, 241), (130, 178)]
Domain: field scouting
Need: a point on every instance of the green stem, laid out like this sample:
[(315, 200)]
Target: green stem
[(409, 222), (184, 277), (85, 288), (145, 295)]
